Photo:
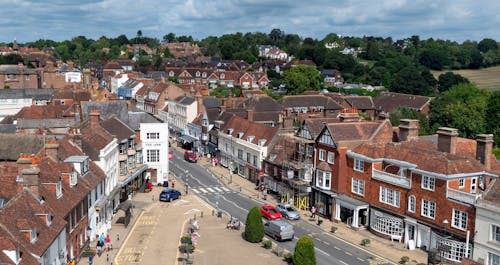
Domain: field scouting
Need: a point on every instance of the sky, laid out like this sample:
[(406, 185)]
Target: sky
[(457, 20)]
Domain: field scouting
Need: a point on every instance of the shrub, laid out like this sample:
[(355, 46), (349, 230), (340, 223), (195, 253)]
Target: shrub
[(304, 252), (333, 229), (365, 242), (288, 258), (404, 259), (267, 244), (186, 248), (254, 229), (186, 240)]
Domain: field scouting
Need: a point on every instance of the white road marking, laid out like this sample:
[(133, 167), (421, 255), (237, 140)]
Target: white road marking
[(225, 189), (342, 262), (322, 252), (210, 189), (348, 253), (217, 189), (181, 201), (203, 190), (194, 210), (195, 191)]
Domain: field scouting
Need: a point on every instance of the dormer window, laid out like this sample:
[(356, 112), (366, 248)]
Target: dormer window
[(1, 202), (49, 219), (73, 178), (250, 138), (58, 189), (262, 142), (197, 74), (85, 166), (33, 235), (222, 76), (204, 74), (171, 73), (230, 131), (240, 134), (205, 122)]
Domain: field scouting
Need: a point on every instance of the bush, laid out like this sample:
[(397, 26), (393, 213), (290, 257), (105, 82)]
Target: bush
[(186, 240), (288, 258), (404, 259), (365, 242), (267, 244), (333, 229), (186, 248), (304, 252), (254, 229)]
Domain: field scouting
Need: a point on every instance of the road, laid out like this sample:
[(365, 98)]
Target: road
[(329, 250)]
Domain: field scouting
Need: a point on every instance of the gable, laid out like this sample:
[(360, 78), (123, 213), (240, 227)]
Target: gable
[(304, 132), (326, 138)]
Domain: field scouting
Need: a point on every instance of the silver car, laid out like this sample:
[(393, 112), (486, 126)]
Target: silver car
[(288, 211)]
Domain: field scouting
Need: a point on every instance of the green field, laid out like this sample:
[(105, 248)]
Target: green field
[(487, 78)]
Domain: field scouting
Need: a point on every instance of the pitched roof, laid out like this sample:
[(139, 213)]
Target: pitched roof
[(354, 133), (315, 125), (106, 109), (35, 93), (309, 101), (390, 101), (360, 102), (136, 118), (185, 100), (42, 112), (258, 131), (12, 145), (45, 123), (261, 103), (211, 102), (117, 128), (94, 138)]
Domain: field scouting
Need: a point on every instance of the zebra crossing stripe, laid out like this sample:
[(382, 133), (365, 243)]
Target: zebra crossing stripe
[(225, 189), (210, 189), (203, 190), (217, 189)]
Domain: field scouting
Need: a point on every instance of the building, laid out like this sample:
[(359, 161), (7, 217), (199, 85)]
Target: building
[(487, 238), (154, 137), (13, 100), (18, 76), (181, 111), (387, 102)]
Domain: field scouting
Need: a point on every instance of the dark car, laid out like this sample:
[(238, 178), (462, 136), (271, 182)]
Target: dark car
[(190, 156), (169, 195)]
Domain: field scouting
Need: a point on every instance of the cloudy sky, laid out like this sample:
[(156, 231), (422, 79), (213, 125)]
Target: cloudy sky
[(459, 20)]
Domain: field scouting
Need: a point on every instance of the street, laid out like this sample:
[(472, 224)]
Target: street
[(329, 250)]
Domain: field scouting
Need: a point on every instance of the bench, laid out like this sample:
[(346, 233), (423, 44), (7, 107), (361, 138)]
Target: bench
[(396, 237)]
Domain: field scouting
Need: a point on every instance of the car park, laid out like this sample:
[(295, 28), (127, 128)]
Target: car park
[(279, 230), (169, 195), (270, 212), (288, 212)]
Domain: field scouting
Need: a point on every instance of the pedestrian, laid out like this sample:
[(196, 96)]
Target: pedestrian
[(73, 262), (173, 183), (91, 258), (187, 188), (117, 237), (102, 238), (107, 240), (313, 212)]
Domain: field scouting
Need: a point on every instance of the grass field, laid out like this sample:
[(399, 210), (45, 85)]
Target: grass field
[(487, 78)]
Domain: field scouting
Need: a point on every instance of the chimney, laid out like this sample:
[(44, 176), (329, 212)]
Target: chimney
[(199, 100), (94, 118), (447, 140), (484, 147), (31, 179), (59, 64), (408, 130), (20, 69), (349, 115), (75, 137), (250, 112), (51, 147)]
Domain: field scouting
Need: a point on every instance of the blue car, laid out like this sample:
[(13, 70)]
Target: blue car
[(169, 195)]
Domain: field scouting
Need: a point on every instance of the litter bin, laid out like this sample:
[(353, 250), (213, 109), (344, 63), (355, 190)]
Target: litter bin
[(165, 184)]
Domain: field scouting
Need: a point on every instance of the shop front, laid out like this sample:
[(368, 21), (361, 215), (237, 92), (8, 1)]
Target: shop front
[(323, 200), (351, 211)]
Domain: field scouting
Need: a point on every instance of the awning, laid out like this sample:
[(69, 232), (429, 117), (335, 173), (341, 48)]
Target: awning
[(132, 176), (351, 203), (327, 192), (188, 139)]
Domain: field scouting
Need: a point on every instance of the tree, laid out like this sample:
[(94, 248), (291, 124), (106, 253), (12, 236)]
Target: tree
[(462, 107), (487, 44), (410, 81), (276, 34), (493, 114), (300, 78), (449, 79), (435, 58), (167, 53), (407, 113), (254, 229), (304, 252), (170, 37)]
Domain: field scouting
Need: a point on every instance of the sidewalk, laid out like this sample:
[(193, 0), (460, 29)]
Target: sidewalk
[(378, 247)]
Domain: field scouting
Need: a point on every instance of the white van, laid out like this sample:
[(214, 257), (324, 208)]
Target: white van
[(279, 230)]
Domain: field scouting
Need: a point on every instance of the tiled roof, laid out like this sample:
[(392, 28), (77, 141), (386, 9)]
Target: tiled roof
[(259, 131), (106, 109), (261, 103), (45, 123), (359, 131), (360, 102), (389, 101), (42, 112), (309, 101), (8, 173), (117, 128), (11, 145), (315, 125), (76, 95), (94, 139)]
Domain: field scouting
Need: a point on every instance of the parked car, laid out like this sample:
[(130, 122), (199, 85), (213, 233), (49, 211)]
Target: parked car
[(169, 195), (279, 230), (270, 212), (288, 211), (190, 156)]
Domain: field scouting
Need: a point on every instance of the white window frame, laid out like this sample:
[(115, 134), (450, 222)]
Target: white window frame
[(73, 178), (33, 235), (427, 210), (322, 154), (58, 189), (461, 183), (359, 165), (459, 219), (390, 196), (152, 155), (495, 233), (428, 182), (323, 179), (493, 259), (153, 135), (358, 186), (331, 157), (412, 204)]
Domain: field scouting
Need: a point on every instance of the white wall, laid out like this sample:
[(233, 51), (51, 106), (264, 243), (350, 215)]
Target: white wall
[(58, 246), (162, 167), (486, 215), (13, 106)]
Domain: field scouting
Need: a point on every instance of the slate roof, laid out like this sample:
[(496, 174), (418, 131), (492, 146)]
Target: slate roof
[(118, 129), (106, 109), (14, 69), (136, 118), (389, 101), (11, 145), (184, 100), (211, 102), (34, 93), (8, 128), (309, 101), (45, 123), (360, 102)]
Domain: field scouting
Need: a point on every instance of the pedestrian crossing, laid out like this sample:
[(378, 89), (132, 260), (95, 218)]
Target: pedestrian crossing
[(214, 189)]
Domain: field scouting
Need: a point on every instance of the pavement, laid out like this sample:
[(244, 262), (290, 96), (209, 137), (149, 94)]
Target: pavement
[(392, 251)]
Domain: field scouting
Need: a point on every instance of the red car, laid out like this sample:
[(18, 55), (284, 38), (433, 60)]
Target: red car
[(190, 156), (269, 212)]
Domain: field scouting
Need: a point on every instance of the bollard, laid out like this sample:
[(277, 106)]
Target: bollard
[(107, 257), (201, 215), (240, 188), (117, 237), (213, 212)]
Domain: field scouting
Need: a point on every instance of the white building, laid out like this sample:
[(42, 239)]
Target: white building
[(117, 81), (487, 238), (13, 100), (154, 137), (181, 111)]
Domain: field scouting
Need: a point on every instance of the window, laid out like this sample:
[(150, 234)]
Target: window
[(461, 183), (131, 161), (386, 224), (153, 155), (459, 219), (322, 155), (72, 178), (58, 189), (153, 135), (249, 156), (428, 209), (495, 235), (323, 179), (240, 154), (411, 204), (493, 259), (255, 160), (33, 235), (123, 149), (331, 157), (131, 143), (358, 186), (123, 168), (428, 182), (389, 196), (359, 165)]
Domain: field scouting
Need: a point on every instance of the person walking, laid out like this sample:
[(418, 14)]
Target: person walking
[(313, 212), (173, 183)]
